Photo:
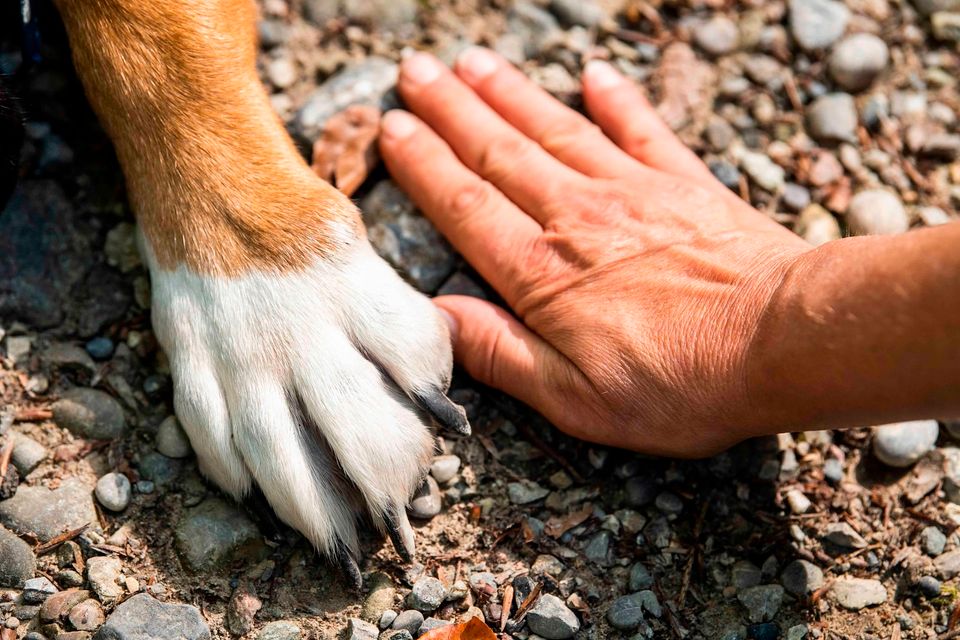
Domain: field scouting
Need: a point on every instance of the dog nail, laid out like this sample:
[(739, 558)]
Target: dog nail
[(401, 533), (350, 570), (449, 415)]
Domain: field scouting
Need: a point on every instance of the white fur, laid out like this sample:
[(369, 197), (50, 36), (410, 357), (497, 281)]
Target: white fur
[(241, 348)]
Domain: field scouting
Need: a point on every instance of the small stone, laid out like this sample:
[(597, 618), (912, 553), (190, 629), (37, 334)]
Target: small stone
[(626, 612), (946, 25), (526, 492), (280, 630), (833, 470), (59, 604), (396, 634), (27, 454), (444, 468), (761, 602), (113, 491), (145, 617), (843, 535), (797, 632), (832, 118), (932, 541), (744, 575), (857, 60), (929, 587), (948, 564), (537, 28), (46, 514), (214, 532), (427, 594), (89, 413), (933, 216), (100, 348), (484, 582), (380, 599), (762, 170), (86, 616), (36, 590), (171, 439), (902, 444), (550, 618), (817, 24), (719, 134), (158, 468), (640, 578), (794, 196), (103, 573), (241, 609), (726, 174), (17, 562), (801, 578), (763, 631), (857, 593), (386, 619), (409, 620), (281, 72), (69, 578), (584, 13), (877, 212), (798, 502), (669, 503), (433, 623), (597, 548), (358, 629), (817, 226), (717, 36), (426, 501)]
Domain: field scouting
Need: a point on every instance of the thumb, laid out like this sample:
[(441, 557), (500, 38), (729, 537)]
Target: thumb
[(499, 351)]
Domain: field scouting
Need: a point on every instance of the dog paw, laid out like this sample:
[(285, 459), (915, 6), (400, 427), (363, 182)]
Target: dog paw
[(317, 386)]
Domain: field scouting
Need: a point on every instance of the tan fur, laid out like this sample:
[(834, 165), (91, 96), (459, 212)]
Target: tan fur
[(214, 179)]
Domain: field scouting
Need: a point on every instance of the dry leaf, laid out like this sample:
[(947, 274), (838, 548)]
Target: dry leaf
[(557, 526), (472, 629), (687, 88), (346, 151)]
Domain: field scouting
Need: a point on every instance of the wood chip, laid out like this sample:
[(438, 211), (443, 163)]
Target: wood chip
[(346, 151)]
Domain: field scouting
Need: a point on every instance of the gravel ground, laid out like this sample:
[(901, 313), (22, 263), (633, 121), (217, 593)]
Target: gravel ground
[(835, 119)]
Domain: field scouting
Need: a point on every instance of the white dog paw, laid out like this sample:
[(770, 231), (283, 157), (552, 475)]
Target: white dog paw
[(316, 386)]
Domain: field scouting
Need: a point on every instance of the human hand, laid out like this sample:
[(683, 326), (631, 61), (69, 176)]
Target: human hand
[(638, 279)]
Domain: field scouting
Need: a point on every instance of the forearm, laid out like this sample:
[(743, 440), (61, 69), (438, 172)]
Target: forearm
[(862, 331)]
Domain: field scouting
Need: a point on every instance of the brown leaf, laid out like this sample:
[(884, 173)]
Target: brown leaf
[(687, 88), (472, 629), (557, 526), (346, 151)]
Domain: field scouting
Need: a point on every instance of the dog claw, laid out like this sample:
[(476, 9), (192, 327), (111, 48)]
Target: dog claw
[(401, 534), (350, 570), (448, 415)]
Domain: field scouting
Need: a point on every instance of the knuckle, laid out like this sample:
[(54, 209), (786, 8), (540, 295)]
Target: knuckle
[(471, 198), (562, 136), (502, 154)]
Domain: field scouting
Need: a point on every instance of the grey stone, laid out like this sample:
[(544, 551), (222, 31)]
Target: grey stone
[(103, 573), (832, 118), (445, 468), (948, 564), (761, 602), (945, 146), (798, 502), (358, 629), (17, 562), (640, 578), (833, 470), (877, 212), (214, 532), (433, 623), (946, 25), (585, 13), (426, 501), (69, 358), (427, 594), (396, 634), (46, 514), (379, 14), (171, 439), (538, 29), (386, 619), (626, 612), (27, 454), (843, 535), (795, 197), (36, 590), (797, 632), (403, 237), (142, 617), (526, 492), (89, 413), (857, 60), (762, 170), (409, 620), (597, 548), (550, 618), (380, 598), (726, 173), (857, 593), (901, 445), (368, 82), (717, 36), (929, 586), (744, 574), (817, 24), (158, 468), (486, 582), (932, 541), (669, 503), (817, 226), (801, 578), (113, 491)]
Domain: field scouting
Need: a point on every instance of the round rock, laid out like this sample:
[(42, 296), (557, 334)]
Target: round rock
[(902, 444), (113, 491), (426, 595), (426, 501), (801, 578), (409, 620), (445, 468), (817, 24), (761, 602), (876, 212), (832, 118), (171, 439), (857, 593), (145, 617), (46, 514), (552, 619), (717, 36), (89, 413), (857, 60), (280, 630)]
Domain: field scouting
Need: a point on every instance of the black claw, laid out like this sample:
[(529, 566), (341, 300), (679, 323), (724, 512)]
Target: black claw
[(350, 570), (400, 533), (448, 415)]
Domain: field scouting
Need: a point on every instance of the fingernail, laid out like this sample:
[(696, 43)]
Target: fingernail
[(422, 68), (602, 75), (398, 124), (451, 324), (476, 63)]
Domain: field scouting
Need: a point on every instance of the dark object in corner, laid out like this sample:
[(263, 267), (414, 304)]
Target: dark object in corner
[(11, 139)]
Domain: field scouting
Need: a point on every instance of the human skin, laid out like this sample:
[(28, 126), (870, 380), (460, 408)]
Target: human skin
[(650, 307)]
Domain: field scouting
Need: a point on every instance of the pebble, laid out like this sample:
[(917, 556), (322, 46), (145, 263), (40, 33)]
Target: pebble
[(17, 562), (427, 594), (717, 36), (433, 623), (27, 454), (142, 616), (113, 491), (929, 586), (627, 612), (744, 574), (241, 609), (932, 541), (280, 630), (171, 440), (877, 212), (103, 573), (46, 514), (426, 501), (396, 634), (537, 28), (857, 60), (89, 413), (817, 226), (597, 548), (798, 502), (801, 578), (857, 593), (36, 590), (358, 629), (86, 616), (99, 348), (445, 468), (640, 578), (946, 25), (410, 620), (58, 605), (526, 492), (158, 468), (762, 170), (727, 175), (902, 444), (380, 599), (843, 535), (833, 471), (550, 618), (817, 24), (763, 631), (403, 237), (585, 13), (832, 118), (213, 532), (948, 564), (386, 619), (281, 72), (795, 197), (761, 602)]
